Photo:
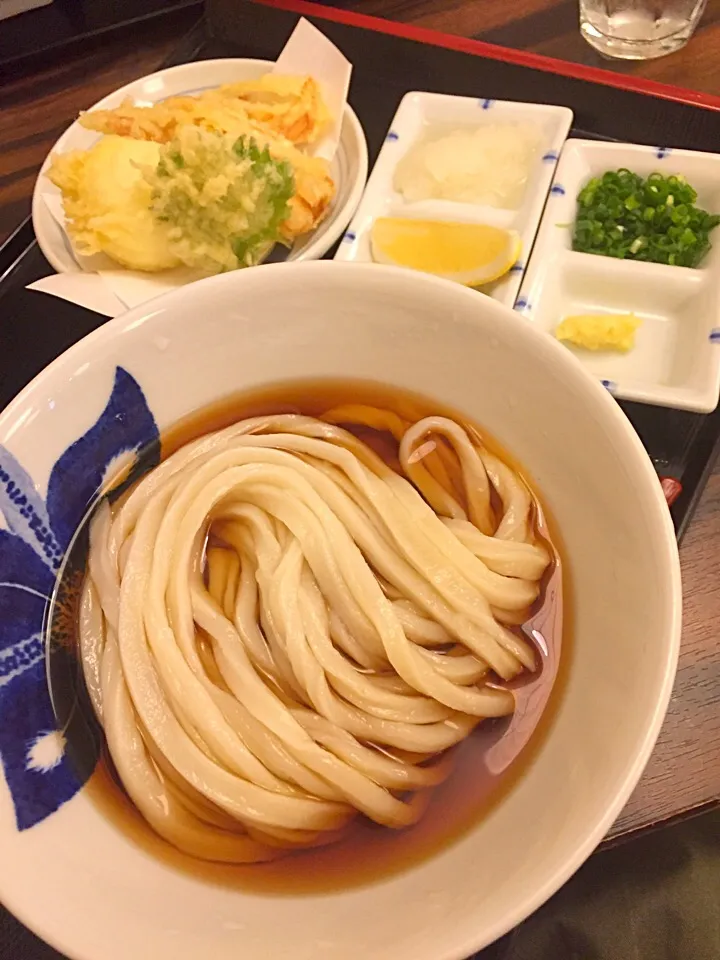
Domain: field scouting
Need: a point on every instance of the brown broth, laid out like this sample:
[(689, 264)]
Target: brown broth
[(487, 765)]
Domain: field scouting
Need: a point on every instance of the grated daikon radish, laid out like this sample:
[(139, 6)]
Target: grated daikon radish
[(483, 165)]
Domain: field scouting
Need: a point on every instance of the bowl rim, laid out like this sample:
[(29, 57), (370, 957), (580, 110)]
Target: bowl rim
[(138, 317), (335, 224)]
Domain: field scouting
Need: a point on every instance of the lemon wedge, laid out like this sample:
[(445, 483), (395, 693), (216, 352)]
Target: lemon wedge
[(469, 253)]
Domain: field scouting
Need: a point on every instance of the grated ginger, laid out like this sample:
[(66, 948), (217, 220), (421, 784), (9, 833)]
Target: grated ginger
[(603, 331)]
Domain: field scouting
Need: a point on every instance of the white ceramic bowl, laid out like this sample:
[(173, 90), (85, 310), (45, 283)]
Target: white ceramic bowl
[(78, 881), (349, 167)]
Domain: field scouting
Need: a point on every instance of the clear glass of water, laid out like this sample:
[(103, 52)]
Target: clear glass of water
[(639, 29)]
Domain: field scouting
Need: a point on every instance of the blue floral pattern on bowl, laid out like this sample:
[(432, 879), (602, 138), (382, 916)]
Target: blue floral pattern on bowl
[(36, 537)]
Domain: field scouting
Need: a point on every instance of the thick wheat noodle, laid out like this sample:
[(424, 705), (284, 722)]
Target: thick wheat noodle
[(437, 462), (416, 627), (401, 654), (430, 476), (156, 801), (177, 524), (477, 485), (319, 653), (322, 560), (260, 739), (519, 494), (91, 631), (326, 663), (352, 647), (511, 558), (237, 795), (515, 500), (268, 552), (522, 594), (351, 719)]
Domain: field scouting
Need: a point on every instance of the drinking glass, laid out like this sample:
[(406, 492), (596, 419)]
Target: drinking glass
[(639, 29)]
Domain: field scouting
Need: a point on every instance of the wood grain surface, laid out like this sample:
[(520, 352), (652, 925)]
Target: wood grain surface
[(684, 772), (38, 105), (550, 27)]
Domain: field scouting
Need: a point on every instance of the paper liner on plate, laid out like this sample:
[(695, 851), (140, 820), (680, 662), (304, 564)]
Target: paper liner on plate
[(309, 52), (103, 286)]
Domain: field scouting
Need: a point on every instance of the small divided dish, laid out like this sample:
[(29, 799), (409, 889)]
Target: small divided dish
[(676, 358), (421, 114)]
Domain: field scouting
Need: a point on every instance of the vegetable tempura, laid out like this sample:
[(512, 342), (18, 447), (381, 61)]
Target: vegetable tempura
[(107, 203), (289, 107), (116, 196)]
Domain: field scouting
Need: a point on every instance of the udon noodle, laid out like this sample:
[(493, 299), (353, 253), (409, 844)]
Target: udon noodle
[(280, 632)]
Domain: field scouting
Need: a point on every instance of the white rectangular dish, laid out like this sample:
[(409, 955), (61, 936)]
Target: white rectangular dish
[(676, 358), (421, 112)]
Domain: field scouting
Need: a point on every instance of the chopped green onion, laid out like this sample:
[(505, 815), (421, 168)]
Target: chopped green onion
[(625, 216)]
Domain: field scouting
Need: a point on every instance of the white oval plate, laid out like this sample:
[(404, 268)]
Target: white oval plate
[(348, 169)]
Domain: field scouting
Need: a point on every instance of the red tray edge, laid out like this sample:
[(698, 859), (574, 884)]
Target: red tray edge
[(492, 51)]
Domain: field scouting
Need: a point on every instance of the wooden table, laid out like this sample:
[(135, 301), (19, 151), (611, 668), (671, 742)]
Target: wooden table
[(550, 27), (684, 772)]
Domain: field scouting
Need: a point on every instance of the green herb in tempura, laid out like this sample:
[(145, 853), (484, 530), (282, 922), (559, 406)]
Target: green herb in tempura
[(223, 199), (623, 215)]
